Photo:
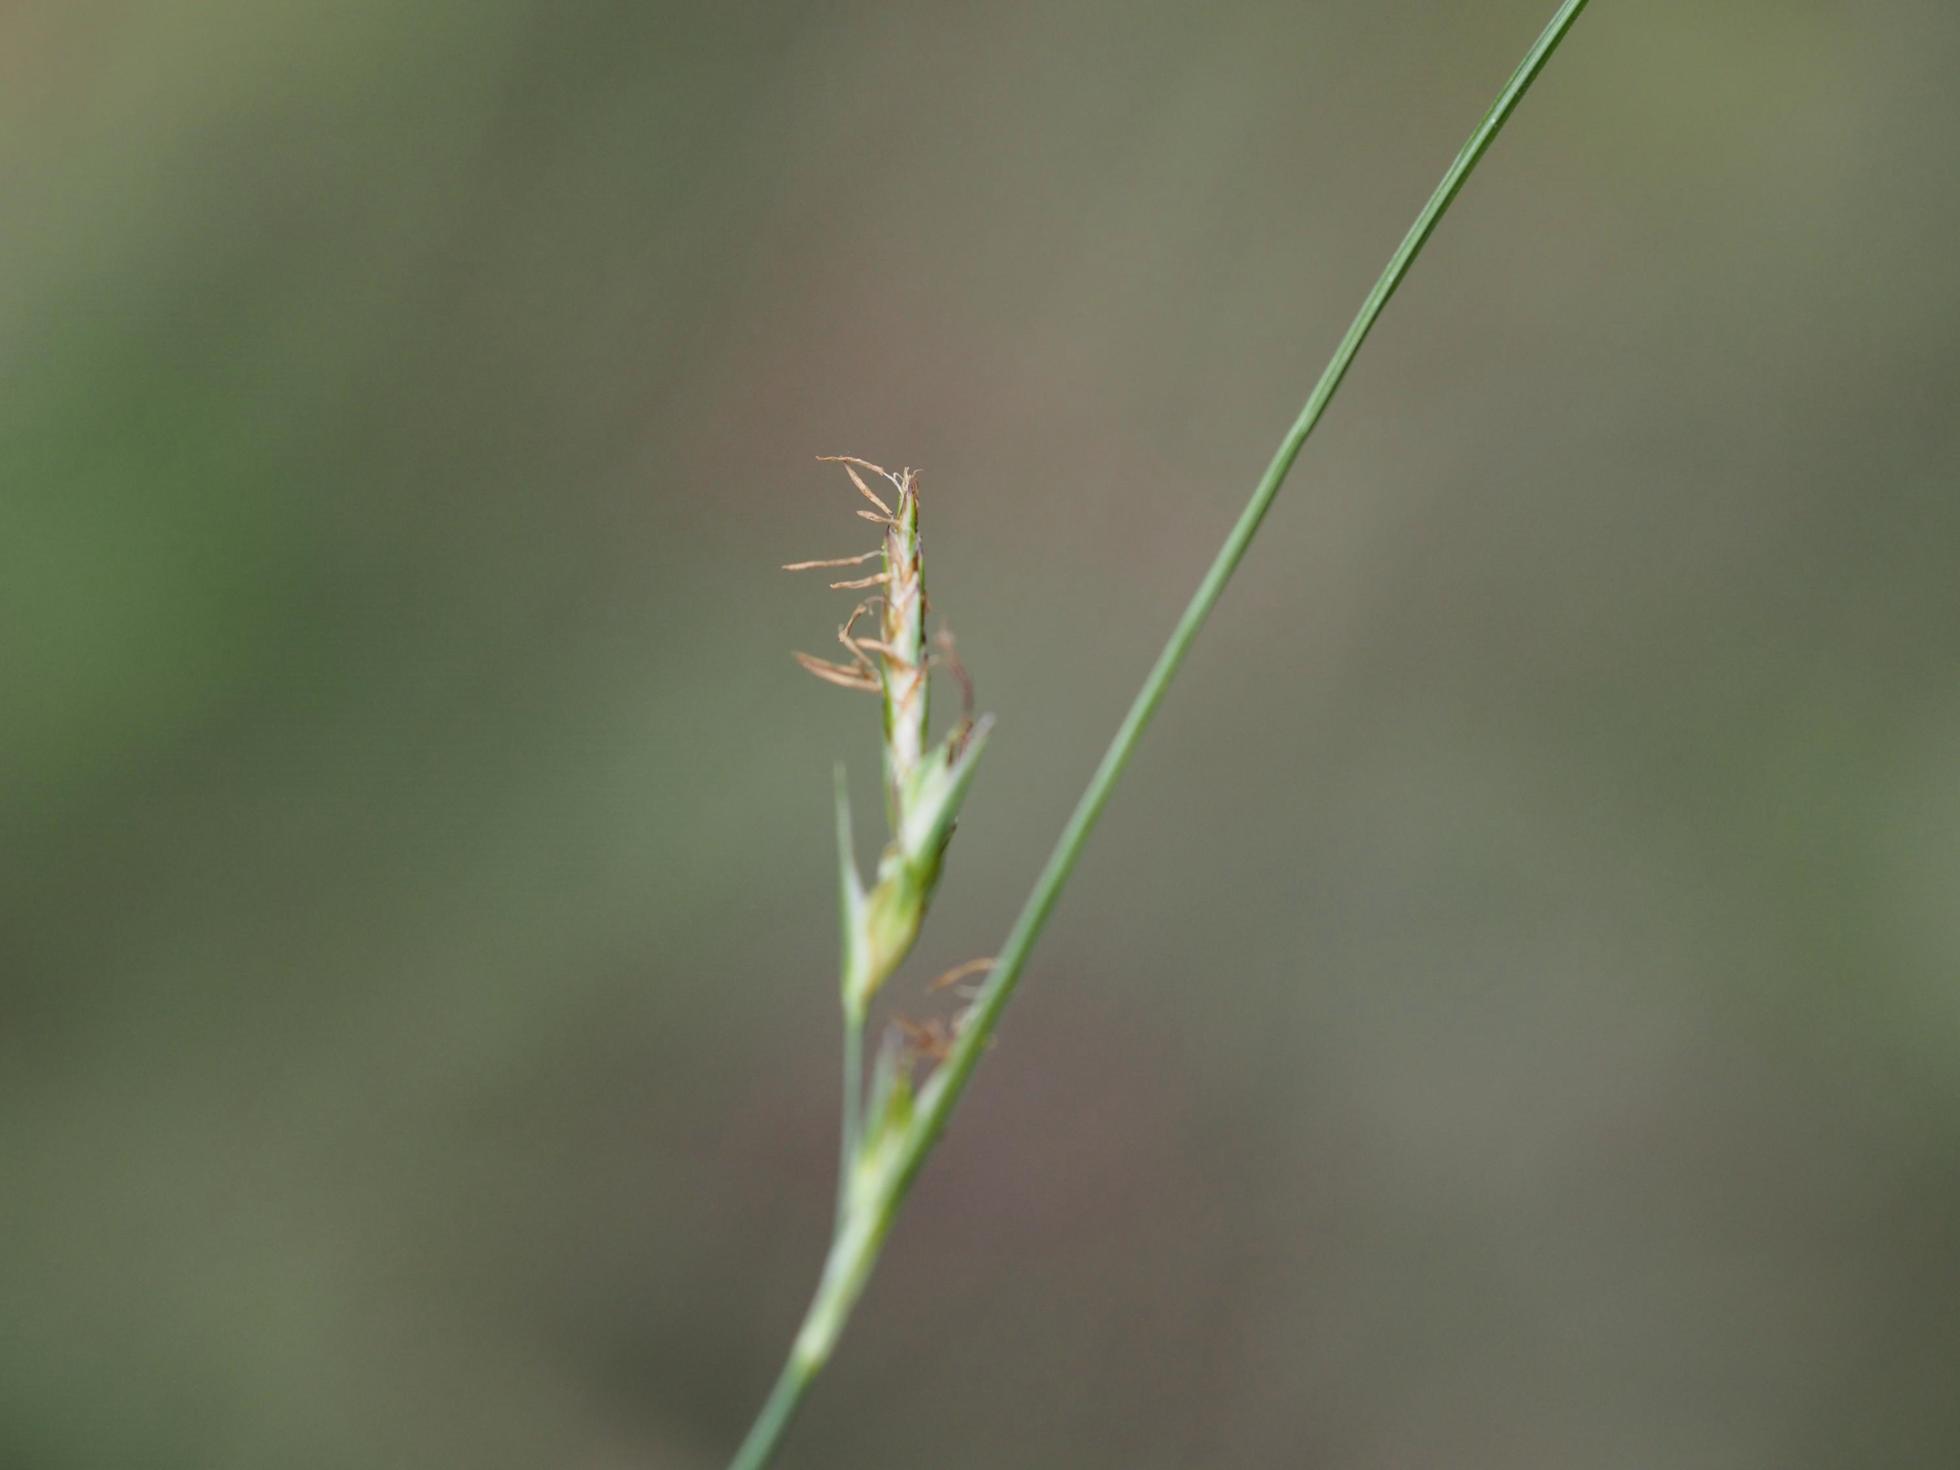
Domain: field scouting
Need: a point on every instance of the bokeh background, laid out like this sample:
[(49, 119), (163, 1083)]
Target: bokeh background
[(1509, 1015)]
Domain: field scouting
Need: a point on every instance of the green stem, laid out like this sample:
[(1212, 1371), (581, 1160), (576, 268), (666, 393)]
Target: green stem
[(862, 1226), (853, 1252), (937, 1098), (777, 1410), (850, 1127)]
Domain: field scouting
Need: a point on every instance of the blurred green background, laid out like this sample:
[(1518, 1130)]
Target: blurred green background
[(1509, 1015)]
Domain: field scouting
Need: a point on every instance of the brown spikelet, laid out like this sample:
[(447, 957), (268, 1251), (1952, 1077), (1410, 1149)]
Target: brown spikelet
[(833, 561), (949, 658), (839, 674), (931, 1040), (960, 972), (849, 468)]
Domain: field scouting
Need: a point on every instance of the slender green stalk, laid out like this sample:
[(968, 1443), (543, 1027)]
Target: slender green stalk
[(847, 1133), (878, 1181), (851, 1112), (938, 1097), (767, 1431)]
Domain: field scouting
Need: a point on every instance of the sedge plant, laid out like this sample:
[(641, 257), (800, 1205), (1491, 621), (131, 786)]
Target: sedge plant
[(892, 1119)]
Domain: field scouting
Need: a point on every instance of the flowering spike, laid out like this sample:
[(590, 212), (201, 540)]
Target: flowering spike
[(925, 784)]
